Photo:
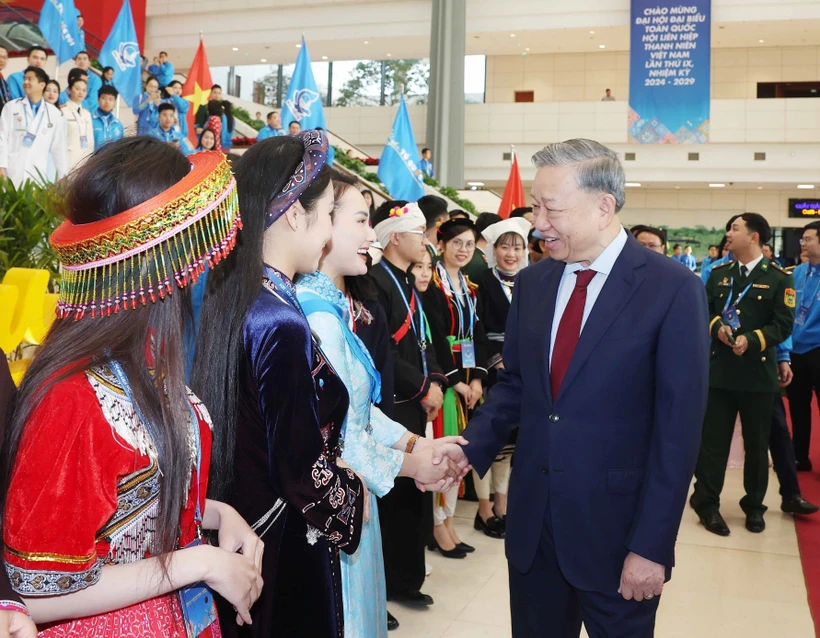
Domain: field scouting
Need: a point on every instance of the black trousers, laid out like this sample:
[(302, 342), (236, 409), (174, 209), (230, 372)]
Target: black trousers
[(806, 368), (722, 408), (406, 519), (782, 449), (544, 604)]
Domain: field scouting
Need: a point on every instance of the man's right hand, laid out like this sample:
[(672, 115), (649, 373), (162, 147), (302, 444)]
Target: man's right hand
[(15, 624), (724, 333), (434, 399), (3, 173)]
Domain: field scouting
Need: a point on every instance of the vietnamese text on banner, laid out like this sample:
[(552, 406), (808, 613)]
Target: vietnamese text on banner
[(669, 71)]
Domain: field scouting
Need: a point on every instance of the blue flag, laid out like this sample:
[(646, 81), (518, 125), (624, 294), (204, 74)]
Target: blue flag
[(121, 52), (58, 24), (303, 102), (399, 163)]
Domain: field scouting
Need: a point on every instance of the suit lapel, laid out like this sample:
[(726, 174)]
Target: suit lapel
[(548, 294), (618, 289)]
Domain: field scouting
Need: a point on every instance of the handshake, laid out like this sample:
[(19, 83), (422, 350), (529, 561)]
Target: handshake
[(438, 464)]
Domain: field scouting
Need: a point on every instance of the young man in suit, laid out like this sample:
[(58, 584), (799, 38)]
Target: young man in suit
[(609, 432)]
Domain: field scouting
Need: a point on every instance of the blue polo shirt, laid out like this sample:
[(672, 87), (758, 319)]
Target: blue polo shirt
[(807, 285), (107, 127), (268, 131)]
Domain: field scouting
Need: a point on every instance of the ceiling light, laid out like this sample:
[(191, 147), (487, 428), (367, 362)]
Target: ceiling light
[(677, 188), (366, 42), (389, 55), (236, 48), (263, 60), (717, 185), (632, 184), (298, 46), (760, 41), (760, 188), (602, 46), (512, 35), (527, 49), (592, 33), (805, 186), (324, 57)]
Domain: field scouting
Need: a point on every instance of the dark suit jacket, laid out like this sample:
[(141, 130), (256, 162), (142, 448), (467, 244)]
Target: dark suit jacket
[(7, 393), (611, 460)]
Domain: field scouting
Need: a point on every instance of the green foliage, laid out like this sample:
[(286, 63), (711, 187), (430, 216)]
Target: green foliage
[(28, 216), (361, 169), (364, 87), (241, 114)]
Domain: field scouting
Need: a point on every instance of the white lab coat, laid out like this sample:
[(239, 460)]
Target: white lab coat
[(28, 163), (78, 125)]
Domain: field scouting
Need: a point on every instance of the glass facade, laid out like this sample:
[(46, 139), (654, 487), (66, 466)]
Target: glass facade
[(349, 82)]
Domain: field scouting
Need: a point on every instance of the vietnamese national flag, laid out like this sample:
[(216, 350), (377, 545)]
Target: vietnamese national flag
[(513, 192), (197, 88)]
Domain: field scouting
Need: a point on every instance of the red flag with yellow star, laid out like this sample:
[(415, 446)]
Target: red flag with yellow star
[(514, 196), (197, 88)]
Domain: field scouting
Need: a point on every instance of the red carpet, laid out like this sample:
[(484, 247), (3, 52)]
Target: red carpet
[(808, 527)]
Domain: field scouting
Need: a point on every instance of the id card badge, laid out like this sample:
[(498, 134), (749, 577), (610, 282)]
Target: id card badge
[(730, 318), (28, 140), (468, 354), (198, 606), (802, 316), (83, 141)]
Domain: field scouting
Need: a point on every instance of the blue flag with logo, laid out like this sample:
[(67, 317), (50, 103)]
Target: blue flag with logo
[(121, 52), (58, 24), (399, 163), (303, 102)]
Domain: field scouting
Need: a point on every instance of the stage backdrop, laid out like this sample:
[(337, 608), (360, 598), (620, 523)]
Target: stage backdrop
[(669, 74)]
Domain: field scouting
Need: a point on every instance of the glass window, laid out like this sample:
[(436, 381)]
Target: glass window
[(475, 78)]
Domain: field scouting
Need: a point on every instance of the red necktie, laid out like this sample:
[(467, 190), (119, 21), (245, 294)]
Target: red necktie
[(569, 330)]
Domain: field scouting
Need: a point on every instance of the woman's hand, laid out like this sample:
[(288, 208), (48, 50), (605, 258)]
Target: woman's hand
[(235, 578), (235, 535), (365, 494), (15, 624), (464, 390), (477, 391)]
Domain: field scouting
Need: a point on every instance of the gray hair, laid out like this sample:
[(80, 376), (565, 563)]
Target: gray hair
[(598, 169)]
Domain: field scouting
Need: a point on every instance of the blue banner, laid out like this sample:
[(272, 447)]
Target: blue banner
[(303, 103), (669, 71), (58, 24), (121, 52), (399, 164)]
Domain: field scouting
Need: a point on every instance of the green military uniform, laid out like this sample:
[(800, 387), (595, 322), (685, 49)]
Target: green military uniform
[(744, 384), (476, 266)]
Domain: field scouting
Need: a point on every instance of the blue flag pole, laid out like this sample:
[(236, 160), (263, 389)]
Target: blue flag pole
[(303, 102), (121, 52), (399, 164)]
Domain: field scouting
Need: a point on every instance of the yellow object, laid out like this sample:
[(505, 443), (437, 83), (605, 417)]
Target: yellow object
[(18, 369), (9, 338)]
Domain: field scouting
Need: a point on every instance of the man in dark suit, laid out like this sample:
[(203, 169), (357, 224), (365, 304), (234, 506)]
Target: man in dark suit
[(609, 429)]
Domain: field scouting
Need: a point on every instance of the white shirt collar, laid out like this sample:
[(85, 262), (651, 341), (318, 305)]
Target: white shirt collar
[(752, 264), (606, 260)]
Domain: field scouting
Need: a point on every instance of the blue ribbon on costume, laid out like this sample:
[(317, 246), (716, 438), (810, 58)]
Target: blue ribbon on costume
[(311, 302)]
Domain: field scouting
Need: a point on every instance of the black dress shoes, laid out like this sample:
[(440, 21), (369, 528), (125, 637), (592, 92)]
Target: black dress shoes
[(464, 547), (714, 523), (755, 523), (413, 598), (492, 528), (456, 552), (798, 505), (804, 466), (392, 623)]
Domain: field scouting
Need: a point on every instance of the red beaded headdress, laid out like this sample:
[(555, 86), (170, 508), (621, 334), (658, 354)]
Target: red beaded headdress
[(138, 255)]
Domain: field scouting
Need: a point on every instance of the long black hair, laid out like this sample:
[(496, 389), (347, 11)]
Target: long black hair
[(119, 176), (261, 174), (227, 107)]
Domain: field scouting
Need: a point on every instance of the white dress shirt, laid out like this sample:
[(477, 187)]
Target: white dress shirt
[(751, 265), (602, 266)]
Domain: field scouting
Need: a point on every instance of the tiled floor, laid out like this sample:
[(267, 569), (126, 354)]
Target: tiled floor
[(744, 585)]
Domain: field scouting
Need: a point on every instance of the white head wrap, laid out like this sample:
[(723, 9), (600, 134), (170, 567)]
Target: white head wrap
[(409, 217), (517, 225)]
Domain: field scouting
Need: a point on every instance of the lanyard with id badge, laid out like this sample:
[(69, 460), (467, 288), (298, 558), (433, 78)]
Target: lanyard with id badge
[(421, 331), (465, 336), (83, 138), (196, 600), (730, 313), (29, 137), (803, 313)]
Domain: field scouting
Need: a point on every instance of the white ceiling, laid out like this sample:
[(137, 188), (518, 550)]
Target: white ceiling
[(780, 33)]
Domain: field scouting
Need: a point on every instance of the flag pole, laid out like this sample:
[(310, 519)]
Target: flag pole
[(118, 106), (512, 153)]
